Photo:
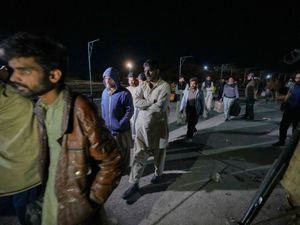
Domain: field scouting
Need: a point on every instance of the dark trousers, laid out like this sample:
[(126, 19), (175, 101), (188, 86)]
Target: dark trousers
[(16, 204), (192, 120), (289, 117), (249, 114)]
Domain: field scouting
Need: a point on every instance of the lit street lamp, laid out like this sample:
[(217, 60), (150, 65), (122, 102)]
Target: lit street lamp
[(129, 65), (181, 61), (90, 49), (205, 67)]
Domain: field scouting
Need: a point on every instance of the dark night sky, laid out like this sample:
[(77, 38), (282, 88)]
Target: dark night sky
[(214, 32)]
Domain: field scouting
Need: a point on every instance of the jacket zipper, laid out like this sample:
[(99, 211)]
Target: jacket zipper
[(109, 112)]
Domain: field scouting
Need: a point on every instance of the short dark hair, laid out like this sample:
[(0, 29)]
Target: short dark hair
[(48, 53), (194, 79), (151, 63), (251, 74), (131, 74), (295, 73), (4, 74), (142, 77)]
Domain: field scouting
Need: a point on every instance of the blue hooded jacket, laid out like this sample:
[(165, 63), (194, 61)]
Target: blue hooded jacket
[(117, 107)]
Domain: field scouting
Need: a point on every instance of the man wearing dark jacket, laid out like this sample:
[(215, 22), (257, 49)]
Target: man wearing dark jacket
[(117, 110), (250, 94), (291, 114), (79, 160), (193, 104)]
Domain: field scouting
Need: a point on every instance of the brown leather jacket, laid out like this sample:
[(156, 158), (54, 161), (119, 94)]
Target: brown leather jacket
[(89, 166)]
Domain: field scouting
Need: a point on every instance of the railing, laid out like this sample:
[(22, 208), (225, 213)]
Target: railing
[(83, 87)]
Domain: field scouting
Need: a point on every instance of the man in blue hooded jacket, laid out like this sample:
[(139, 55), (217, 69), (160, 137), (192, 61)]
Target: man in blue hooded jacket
[(117, 109)]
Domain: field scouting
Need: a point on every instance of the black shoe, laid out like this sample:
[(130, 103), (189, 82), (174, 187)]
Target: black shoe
[(187, 140), (155, 179), (278, 143), (134, 188)]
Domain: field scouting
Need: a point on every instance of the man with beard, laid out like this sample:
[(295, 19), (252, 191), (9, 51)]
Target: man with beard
[(79, 160), (221, 85), (291, 114), (152, 99), (230, 94), (180, 87), (19, 148), (132, 82), (250, 93), (193, 104), (117, 110), (207, 88)]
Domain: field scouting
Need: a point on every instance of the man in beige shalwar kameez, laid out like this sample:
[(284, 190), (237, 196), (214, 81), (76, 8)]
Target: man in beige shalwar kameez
[(152, 99)]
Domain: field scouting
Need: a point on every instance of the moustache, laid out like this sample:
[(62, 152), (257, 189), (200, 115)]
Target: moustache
[(16, 84)]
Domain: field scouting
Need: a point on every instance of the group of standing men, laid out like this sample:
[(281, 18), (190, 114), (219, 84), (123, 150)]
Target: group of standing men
[(139, 115), (59, 148), (80, 156)]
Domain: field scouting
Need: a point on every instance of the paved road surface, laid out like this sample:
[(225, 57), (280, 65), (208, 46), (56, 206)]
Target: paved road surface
[(207, 182)]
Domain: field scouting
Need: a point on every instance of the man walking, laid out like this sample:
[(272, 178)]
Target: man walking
[(180, 87), (193, 105), (207, 88), (152, 99), (250, 93), (230, 94), (79, 161), (291, 114)]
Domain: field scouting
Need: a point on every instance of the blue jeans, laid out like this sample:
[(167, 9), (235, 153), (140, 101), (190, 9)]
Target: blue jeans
[(16, 204)]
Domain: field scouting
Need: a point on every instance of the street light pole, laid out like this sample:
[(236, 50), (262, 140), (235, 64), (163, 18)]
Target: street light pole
[(181, 61), (222, 69), (90, 49)]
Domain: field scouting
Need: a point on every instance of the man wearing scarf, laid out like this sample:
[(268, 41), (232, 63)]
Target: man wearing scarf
[(207, 88)]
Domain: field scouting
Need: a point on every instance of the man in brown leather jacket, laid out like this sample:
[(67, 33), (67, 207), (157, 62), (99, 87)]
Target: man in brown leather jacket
[(79, 160)]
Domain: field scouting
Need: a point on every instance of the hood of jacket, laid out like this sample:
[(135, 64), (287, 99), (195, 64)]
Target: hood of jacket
[(114, 75)]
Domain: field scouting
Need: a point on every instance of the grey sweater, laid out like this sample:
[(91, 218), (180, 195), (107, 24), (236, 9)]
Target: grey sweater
[(230, 91)]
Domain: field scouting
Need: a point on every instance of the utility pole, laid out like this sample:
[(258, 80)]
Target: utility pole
[(222, 68), (90, 49), (181, 61), (225, 67)]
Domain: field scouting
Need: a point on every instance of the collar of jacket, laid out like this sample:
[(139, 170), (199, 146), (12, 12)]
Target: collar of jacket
[(190, 89), (159, 81), (69, 99), (111, 91)]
